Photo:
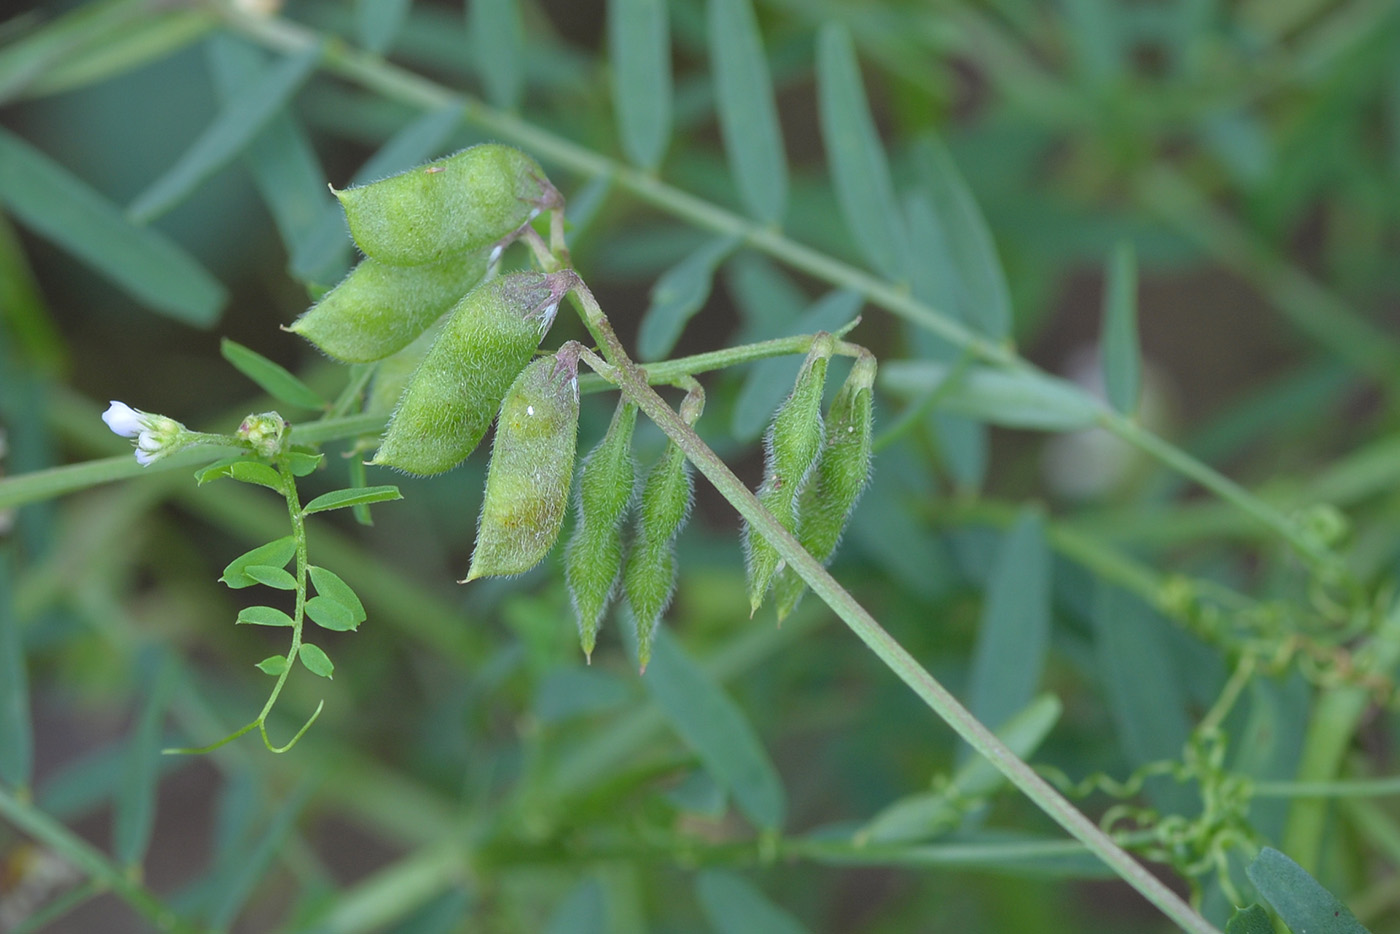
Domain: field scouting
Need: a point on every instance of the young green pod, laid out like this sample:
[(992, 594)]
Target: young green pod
[(593, 557), (378, 309), (532, 465), (466, 201), (791, 448), (650, 576), (452, 396), (842, 472)]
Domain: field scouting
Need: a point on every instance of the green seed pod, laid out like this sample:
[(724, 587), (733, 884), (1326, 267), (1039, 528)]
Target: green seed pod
[(378, 309), (449, 402), (650, 576), (532, 465), (791, 448), (466, 201), (392, 374), (839, 480), (593, 557)]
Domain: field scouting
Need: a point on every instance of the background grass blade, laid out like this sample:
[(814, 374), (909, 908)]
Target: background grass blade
[(733, 905), (232, 130), (377, 22), (16, 733), (583, 911), (135, 811), (498, 50), (748, 113), (639, 50), (272, 378), (677, 295), (1122, 360), (856, 156), (45, 197)]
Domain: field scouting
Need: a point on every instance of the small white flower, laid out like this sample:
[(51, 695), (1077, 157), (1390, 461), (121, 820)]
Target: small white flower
[(123, 419), (156, 435)]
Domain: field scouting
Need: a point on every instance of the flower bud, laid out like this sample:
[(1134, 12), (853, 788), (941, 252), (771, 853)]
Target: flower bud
[(532, 465), (263, 433), (379, 309), (593, 557), (837, 482), (791, 448), (155, 435), (466, 201), (448, 404)]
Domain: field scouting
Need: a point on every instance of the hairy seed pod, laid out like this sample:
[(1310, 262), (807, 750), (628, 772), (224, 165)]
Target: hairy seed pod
[(466, 201), (593, 557), (650, 576), (378, 309), (791, 449), (452, 396), (532, 465), (836, 485)]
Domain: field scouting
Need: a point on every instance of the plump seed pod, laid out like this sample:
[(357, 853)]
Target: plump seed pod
[(593, 557), (791, 448), (532, 465), (378, 309), (466, 201), (840, 477), (452, 396), (650, 576)]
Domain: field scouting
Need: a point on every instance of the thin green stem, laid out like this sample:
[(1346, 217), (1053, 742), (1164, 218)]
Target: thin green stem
[(889, 651), (289, 490)]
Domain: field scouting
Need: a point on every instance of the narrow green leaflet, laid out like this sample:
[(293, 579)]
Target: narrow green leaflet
[(748, 113), (1252, 920), (677, 295), (236, 125), (22, 307), (639, 50), (264, 616), (16, 733), (268, 576), (328, 614), (734, 905), (152, 269), (986, 298), (122, 49), (272, 378), (377, 22), (315, 660), (273, 554), (713, 726), (246, 470), (330, 586), (274, 665), (498, 50), (1299, 899), (135, 806), (1122, 359), (358, 477), (303, 464), (1014, 635), (1010, 398), (856, 157), (340, 499)]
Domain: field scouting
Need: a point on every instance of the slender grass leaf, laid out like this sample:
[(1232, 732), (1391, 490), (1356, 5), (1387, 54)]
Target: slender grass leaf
[(934, 274), (264, 616), (377, 22), (323, 256), (235, 126), (1299, 899), (274, 379), (769, 381), (1010, 398), (1252, 920), (135, 806), (713, 726), (1014, 634), (639, 49), (281, 160), (244, 873), (328, 614), (748, 112), (273, 554), (734, 905), (498, 50), (583, 911), (147, 265), (329, 585), (274, 665), (1144, 691), (678, 295), (22, 308), (124, 48), (984, 296), (315, 660), (16, 731), (1122, 360), (276, 578), (857, 158), (339, 499)]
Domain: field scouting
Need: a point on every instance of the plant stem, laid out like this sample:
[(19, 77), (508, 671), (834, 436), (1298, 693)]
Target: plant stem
[(889, 651)]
